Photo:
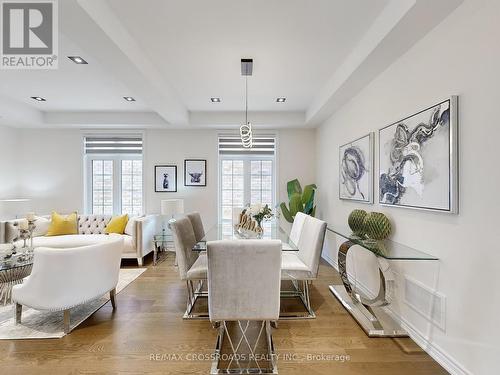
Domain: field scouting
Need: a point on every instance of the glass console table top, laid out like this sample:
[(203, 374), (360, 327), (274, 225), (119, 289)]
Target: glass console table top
[(386, 248), (272, 231)]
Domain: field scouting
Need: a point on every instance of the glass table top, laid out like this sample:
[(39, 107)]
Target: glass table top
[(272, 231), (163, 237), (15, 260), (386, 248)]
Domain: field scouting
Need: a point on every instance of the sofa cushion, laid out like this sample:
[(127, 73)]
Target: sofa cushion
[(77, 240), (61, 225), (92, 224), (117, 224), (65, 241), (42, 225)]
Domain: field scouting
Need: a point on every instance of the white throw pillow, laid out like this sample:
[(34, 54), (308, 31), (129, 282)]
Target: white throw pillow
[(41, 226), (130, 228)]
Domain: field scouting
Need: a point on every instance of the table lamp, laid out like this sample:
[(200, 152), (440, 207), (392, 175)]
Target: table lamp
[(15, 207), (172, 207)]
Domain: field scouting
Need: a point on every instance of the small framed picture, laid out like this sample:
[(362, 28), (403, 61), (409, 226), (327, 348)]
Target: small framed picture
[(195, 172), (165, 178)]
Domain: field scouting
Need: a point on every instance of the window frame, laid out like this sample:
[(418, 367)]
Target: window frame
[(247, 174), (117, 180)]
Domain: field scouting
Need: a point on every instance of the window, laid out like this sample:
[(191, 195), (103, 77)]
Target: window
[(102, 187), (131, 187), (246, 176), (114, 176)]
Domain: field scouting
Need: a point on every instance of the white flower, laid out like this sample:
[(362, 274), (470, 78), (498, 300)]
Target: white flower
[(256, 208)]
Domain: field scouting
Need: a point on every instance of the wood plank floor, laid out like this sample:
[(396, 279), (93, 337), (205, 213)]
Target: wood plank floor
[(146, 334)]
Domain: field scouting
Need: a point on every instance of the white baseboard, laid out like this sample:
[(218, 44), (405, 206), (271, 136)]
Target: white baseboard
[(449, 363)]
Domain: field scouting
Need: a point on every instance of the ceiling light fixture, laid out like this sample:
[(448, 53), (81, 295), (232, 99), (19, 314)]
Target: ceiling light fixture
[(38, 98), (215, 100), (129, 99), (280, 100), (77, 60), (246, 128)]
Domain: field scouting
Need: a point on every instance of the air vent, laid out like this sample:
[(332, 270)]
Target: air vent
[(428, 303)]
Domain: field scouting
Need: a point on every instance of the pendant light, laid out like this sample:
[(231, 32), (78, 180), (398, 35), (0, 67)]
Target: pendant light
[(246, 128)]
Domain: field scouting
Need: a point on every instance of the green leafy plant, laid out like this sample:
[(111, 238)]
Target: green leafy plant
[(299, 200)]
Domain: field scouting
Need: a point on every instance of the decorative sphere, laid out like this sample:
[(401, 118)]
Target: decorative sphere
[(356, 222), (377, 226)]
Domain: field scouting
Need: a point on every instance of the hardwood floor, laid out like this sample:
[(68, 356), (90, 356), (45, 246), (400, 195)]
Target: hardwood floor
[(146, 334)]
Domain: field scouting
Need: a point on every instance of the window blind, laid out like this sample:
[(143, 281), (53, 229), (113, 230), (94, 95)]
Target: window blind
[(113, 145), (261, 146)]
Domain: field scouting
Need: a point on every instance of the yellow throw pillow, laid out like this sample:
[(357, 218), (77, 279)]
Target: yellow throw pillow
[(117, 224), (61, 224)]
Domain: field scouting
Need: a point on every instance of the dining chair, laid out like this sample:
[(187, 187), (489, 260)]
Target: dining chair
[(298, 224), (302, 266), (192, 266), (197, 224), (236, 296)]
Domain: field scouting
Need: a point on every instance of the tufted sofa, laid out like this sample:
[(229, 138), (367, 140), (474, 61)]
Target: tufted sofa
[(137, 239)]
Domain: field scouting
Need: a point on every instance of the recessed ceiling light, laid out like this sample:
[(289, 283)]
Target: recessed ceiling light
[(215, 100), (280, 100), (38, 98), (77, 60), (129, 99)]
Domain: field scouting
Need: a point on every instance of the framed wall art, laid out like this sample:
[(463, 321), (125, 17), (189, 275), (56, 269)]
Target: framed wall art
[(165, 178), (418, 165), (356, 169), (195, 172)]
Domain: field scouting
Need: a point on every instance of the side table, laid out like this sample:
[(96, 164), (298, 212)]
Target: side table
[(12, 272), (161, 244)]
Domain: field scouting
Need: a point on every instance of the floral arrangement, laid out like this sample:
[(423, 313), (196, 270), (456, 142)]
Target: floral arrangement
[(252, 216), (261, 213)]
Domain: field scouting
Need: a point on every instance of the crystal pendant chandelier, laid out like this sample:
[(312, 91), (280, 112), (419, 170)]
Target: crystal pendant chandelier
[(246, 128)]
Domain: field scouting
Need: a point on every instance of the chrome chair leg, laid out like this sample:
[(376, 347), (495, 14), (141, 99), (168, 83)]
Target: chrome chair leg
[(193, 295), (300, 290), (229, 368)]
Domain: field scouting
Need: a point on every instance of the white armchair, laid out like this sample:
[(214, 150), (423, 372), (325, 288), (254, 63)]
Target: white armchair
[(65, 278)]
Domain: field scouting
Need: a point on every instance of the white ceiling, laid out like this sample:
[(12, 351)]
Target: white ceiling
[(71, 87), (172, 56), (296, 46)]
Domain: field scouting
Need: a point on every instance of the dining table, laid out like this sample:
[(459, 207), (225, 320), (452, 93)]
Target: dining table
[(271, 231), (228, 231)]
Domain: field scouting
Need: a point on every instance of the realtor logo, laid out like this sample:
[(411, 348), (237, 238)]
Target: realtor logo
[(29, 34)]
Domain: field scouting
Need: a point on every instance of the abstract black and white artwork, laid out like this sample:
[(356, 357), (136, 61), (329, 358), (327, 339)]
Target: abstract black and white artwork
[(356, 170), (418, 160), (165, 178), (195, 172)]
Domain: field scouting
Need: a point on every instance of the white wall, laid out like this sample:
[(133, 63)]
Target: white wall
[(459, 57), (8, 162), (50, 167), (51, 172)]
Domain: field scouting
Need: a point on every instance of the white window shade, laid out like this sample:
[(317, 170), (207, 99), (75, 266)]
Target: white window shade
[(113, 145), (261, 146)]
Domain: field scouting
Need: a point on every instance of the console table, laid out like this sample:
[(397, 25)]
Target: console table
[(370, 312)]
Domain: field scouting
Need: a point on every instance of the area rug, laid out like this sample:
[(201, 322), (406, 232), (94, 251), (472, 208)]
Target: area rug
[(44, 324)]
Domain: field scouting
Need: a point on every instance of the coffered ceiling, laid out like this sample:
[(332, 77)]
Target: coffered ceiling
[(173, 56)]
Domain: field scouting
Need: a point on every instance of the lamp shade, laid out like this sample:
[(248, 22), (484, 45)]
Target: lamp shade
[(14, 208), (172, 207)]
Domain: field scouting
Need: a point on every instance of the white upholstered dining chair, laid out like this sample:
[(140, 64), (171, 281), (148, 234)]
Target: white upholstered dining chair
[(244, 287), (302, 266), (197, 223), (298, 224), (192, 265)]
